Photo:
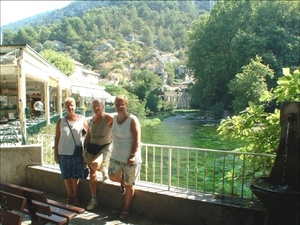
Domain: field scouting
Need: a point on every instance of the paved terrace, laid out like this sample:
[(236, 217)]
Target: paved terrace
[(102, 216)]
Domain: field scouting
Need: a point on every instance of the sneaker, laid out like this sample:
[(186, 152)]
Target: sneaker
[(93, 203)]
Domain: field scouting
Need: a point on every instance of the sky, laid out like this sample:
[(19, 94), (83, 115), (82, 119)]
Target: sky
[(12, 11)]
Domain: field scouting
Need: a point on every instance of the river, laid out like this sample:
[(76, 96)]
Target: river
[(181, 131)]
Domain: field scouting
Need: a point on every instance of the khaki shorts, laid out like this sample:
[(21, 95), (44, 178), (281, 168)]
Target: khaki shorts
[(130, 173)]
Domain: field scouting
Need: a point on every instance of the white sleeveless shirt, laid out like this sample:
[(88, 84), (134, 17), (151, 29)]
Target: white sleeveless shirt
[(122, 141), (66, 143)]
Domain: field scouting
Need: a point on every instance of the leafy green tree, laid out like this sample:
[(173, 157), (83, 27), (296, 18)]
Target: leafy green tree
[(167, 43), (170, 70), (8, 36), (44, 34), (125, 28), (78, 25), (135, 106), (250, 84), (219, 45), (26, 35), (144, 82), (258, 128), (147, 36), (146, 85), (57, 33), (38, 47), (60, 61), (69, 35), (47, 45), (87, 53)]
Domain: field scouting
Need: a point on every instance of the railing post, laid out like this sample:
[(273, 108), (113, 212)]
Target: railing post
[(170, 169), (42, 141)]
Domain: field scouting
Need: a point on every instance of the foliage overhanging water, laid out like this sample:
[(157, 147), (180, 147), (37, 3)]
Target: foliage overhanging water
[(181, 131)]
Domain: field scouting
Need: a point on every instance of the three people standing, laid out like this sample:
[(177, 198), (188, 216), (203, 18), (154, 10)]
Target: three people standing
[(123, 130)]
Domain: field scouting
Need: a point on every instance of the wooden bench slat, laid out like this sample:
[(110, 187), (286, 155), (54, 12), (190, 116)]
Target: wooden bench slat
[(50, 209), (10, 218), (66, 206), (37, 206), (55, 219), (63, 213), (23, 191), (41, 208), (12, 201)]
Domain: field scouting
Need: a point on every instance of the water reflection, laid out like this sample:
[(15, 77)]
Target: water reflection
[(180, 131)]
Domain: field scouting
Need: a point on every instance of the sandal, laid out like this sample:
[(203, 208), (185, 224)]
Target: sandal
[(124, 214), (68, 201), (122, 190), (76, 201)]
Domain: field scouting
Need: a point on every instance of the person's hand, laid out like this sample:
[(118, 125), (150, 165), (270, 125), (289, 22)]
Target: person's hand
[(56, 158), (131, 160)]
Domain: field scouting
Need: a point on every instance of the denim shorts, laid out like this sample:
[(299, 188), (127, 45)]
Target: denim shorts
[(71, 167), (130, 173)]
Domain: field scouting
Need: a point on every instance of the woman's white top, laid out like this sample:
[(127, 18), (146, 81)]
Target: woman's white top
[(122, 141), (66, 143)]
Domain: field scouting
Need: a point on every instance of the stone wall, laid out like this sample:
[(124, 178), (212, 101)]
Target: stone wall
[(155, 201), (14, 161)]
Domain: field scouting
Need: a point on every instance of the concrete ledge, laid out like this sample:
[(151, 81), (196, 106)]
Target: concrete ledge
[(15, 159), (175, 206)]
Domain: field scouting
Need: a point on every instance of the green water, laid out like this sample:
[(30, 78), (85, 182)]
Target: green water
[(180, 131)]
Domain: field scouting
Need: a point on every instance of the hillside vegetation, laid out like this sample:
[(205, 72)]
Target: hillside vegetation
[(112, 35)]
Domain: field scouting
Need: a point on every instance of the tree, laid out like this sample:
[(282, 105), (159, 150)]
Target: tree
[(44, 35), (87, 53), (146, 86), (219, 45), (60, 61), (260, 130), (26, 36), (135, 106), (8, 37), (250, 84), (170, 70)]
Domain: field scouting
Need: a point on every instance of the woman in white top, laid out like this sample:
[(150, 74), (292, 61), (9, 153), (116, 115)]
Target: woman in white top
[(68, 134), (125, 161)]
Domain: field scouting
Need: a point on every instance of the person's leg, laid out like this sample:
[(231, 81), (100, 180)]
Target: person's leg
[(104, 166), (64, 165), (93, 178), (115, 173), (68, 184), (130, 175), (128, 197), (75, 183), (93, 185), (77, 174), (117, 177)]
